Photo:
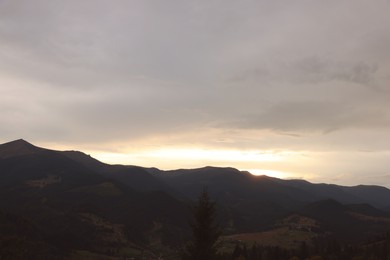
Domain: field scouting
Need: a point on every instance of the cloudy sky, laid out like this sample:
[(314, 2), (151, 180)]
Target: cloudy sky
[(293, 89)]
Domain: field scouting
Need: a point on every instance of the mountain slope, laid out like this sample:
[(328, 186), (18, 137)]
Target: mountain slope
[(72, 207), (347, 223), (375, 195), (289, 193), (17, 148), (134, 177), (251, 203)]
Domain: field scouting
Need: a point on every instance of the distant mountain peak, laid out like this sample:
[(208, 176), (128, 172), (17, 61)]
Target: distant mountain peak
[(17, 148), (20, 141)]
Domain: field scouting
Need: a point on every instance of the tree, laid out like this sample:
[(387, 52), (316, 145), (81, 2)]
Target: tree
[(205, 231)]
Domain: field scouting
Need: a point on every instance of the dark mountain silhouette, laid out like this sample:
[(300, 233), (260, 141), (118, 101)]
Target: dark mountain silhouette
[(74, 207), (246, 202), (86, 160), (289, 193), (254, 202), (347, 223), (225, 183), (375, 195), (67, 201), (134, 177), (323, 191), (18, 148)]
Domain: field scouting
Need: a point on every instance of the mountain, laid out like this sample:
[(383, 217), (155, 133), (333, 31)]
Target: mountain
[(134, 177), (63, 207), (288, 193), (246, 202), (18, 148), (252, 203), (375, 195), (347, 223), (60, 203)]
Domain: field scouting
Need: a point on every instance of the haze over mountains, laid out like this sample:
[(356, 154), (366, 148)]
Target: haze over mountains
[(63, 202)]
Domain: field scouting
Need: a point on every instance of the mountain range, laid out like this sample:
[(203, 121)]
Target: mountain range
[(68, 204)]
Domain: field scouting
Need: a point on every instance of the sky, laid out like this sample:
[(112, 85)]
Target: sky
[(290, 89)]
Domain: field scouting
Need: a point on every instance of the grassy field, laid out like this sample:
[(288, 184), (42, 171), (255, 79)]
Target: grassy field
[(288, 233), (282, 237)]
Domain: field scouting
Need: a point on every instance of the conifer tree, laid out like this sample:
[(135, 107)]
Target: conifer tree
[(205, 230)]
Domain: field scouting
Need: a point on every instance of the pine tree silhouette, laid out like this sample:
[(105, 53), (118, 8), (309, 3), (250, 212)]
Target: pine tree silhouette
[(205, 231)]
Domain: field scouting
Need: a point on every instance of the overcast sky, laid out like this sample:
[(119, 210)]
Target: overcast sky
[(293, 89)]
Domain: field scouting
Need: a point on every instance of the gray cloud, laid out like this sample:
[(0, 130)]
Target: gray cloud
[(178, 56), (312, 116), (314, 70)]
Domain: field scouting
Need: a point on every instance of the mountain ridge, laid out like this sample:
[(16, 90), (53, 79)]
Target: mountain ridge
[(69, 195), (18, 147), (195, 179)]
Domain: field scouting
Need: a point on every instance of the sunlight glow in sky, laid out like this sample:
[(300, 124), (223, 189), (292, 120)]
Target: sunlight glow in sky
[(195, 158), (271, 173)]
